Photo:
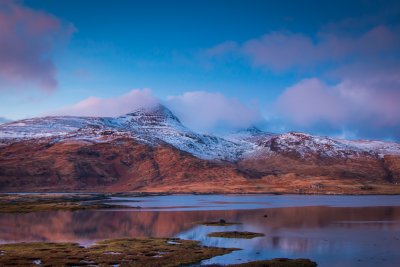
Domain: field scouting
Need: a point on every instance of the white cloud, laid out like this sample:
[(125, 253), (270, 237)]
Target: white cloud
[(204, 111)]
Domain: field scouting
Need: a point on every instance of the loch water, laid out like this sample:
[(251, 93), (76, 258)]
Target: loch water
[(331, 230)]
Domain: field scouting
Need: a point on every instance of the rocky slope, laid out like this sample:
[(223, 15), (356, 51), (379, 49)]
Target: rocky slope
[(150, 150)]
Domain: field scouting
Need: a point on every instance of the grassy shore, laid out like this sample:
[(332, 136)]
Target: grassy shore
[(22, 203), (146, 252), (125, 252)]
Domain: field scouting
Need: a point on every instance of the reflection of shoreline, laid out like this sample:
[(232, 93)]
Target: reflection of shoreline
[(320, 233), (84, 226), (252, 202)]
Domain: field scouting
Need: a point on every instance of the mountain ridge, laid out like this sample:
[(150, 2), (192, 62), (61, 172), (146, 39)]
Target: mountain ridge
[(147, 121), (153, 151)]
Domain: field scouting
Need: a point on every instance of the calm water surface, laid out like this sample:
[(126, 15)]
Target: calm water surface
[(331, 230)]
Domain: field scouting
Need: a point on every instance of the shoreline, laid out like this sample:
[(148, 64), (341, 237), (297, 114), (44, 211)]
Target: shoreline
[(145, 194), (53, 201)]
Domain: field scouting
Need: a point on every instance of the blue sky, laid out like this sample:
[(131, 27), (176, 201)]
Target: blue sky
[(322, 67)]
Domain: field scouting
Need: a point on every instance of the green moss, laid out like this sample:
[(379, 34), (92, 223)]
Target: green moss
[(281, 262), (235, 234), (126, 252)]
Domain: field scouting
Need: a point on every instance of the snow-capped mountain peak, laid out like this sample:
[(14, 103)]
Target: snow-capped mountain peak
[(154, 125), (158, 125), (155, 114)]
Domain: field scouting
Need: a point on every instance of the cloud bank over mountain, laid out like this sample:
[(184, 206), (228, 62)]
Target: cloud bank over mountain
[(204, 111), (351, 81), (200, 111)]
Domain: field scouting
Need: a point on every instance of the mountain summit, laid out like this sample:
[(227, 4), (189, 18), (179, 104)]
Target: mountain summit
[(154, 114), (150, 150)]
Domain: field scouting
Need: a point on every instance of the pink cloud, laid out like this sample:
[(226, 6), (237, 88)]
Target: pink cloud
[(110, 107), (282, 51), (311, 101), (27, 38), (363, 64), (368, 104)]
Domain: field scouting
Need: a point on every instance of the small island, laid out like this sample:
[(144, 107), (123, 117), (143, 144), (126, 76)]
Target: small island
[(235, 234)]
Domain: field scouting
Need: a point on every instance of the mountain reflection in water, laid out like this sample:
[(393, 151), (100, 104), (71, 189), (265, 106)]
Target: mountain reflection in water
[(331, 236)]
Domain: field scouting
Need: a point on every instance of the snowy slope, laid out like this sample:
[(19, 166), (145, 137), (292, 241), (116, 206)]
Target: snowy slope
[(157, 125), (154, 126), (305, 145), (47, 127)]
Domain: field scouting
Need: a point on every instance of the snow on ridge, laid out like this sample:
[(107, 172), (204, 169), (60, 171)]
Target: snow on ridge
[(162, 125), (306, 145), (380, 148), (309, 144), (158, 113), (157, 125), (152, 126)]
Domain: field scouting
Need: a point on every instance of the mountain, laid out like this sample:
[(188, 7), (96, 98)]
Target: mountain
[(153, 126), (4, 120), (150, 150)]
